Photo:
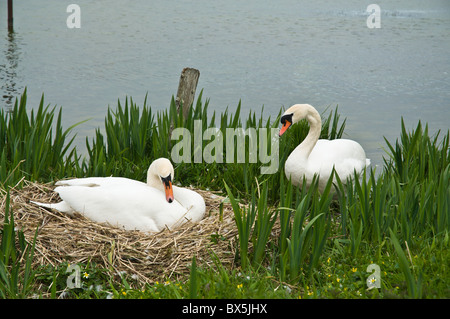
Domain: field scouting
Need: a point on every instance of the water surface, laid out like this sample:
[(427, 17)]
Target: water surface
[(265, 53)]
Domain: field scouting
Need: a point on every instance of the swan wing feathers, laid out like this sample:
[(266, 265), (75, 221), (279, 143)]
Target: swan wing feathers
[(345, 155), (98, 181)]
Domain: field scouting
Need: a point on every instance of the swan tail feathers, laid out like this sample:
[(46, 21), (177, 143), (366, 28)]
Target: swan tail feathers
[(63, 207)]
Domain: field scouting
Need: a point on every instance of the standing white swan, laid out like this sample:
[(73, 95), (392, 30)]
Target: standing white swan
[(131, 204), (314, 156)]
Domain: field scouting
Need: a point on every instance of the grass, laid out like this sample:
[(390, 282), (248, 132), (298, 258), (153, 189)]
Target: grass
[(33, 146), (293, 243), (16, 254)]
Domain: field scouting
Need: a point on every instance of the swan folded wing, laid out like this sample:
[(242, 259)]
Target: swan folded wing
[(329, 153), (99, 181)]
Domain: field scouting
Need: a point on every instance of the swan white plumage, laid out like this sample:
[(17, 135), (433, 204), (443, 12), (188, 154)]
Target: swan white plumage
[(131, 204), (314, 156)]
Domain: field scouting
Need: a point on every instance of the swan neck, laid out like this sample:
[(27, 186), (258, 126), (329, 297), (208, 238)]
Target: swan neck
[(154, 181), (315, 127)]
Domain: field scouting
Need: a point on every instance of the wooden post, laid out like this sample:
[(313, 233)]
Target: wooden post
[(186, 89), (10, 16)]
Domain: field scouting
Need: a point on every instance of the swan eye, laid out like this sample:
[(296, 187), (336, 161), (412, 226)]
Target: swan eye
[(286, 118), (166, 180)]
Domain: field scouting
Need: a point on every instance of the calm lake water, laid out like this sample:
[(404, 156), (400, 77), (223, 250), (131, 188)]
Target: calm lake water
[(265, 53)]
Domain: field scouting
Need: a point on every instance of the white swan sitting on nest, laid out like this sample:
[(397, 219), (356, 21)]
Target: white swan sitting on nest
[(131, 204), (314, 156)]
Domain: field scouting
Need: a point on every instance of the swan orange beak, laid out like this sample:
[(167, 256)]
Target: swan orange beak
[(168, 189), (285, 126)]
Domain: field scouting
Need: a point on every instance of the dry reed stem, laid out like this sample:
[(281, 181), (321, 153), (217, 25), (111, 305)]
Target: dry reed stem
[(148, 256)]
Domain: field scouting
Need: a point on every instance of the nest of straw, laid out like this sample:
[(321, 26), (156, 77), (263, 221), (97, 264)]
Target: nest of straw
[(167, 254)]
